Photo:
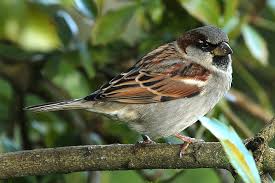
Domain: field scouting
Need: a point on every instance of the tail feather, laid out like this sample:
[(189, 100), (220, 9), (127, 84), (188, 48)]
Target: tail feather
[(57, 106)]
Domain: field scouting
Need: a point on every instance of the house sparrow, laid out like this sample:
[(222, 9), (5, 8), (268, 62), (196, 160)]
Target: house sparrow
[(168, 89)]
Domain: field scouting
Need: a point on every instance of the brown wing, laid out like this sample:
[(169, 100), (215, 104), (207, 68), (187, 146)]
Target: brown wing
[(160, 76)]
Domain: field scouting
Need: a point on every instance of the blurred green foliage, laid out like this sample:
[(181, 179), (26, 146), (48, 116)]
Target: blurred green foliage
[(58, 49)]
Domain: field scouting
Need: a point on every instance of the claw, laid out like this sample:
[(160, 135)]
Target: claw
[(146, 140), (188, 141), (183, 147)]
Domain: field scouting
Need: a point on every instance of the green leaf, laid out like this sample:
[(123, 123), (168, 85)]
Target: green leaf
[(197, 175), (13, 52), (67, 27), (38, 33), (8, 145), (75, 177), (70, 79), (271, 5), (255, 43), (133, 30), (230, 9), (121, 176), (86, 7), (155, 9), (240, 158), (231, 17), (110, 26), (206, 11), (86, 59)]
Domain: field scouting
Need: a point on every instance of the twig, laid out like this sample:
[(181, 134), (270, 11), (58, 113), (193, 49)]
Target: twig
[(260, 140), (18, 116), (115, 157), (268, 132), (94, 177), (152, 177), (235, 120), (224, 175), (249, 106), (174, 177)]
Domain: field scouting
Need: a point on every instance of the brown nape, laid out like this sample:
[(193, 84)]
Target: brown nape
[(189, 38)]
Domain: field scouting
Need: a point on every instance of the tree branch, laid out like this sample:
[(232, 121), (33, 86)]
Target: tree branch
[(259, 146), (116, 157), (268, 132), (260, 141)]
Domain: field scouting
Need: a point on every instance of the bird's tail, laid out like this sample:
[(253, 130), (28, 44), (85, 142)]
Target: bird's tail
[(57, 106)]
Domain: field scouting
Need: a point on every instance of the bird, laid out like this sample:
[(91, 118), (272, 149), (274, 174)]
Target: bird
[(168, 89)]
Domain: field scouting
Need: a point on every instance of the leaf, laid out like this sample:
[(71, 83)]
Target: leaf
[(67, 27), (231, 17), (155, 9), (230, 9), (38, 33), (7, 144), (255, 43), (70, 79), (240, 158), (271, 5), (86, 59), (133, 31), (86, 7), (197, 175), (110, 26), (206, 11), (74, 177), (121, 176), (12, 52)]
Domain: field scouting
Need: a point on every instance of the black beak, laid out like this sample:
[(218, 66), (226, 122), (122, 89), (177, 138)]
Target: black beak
[(222, 49)]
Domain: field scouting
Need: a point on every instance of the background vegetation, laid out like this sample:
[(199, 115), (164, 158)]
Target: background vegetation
[(59, 49)]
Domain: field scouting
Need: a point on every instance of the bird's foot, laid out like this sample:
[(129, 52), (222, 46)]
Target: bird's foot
[(146, 140), (188, 141)]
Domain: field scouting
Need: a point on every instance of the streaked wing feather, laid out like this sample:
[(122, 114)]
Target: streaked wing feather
[(158, 77)]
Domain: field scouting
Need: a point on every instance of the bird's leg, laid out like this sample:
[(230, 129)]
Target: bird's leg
[(146, 140), (188, 141)]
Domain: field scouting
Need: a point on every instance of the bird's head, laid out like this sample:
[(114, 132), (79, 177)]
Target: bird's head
[(207, 46)]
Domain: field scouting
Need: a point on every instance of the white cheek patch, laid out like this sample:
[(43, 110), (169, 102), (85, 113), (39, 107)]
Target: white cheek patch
[(199, 83)]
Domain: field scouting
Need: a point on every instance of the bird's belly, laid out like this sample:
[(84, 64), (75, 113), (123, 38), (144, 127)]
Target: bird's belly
[(169, 118)]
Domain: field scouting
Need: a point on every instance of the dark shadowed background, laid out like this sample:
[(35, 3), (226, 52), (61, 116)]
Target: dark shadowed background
[(61, 49)]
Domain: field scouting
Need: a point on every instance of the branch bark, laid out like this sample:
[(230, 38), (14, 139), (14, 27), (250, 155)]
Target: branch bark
[(117, 157), (126, 157), (268, 132)]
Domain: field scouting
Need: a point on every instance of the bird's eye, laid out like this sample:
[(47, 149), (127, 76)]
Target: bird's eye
[(203, 45)]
